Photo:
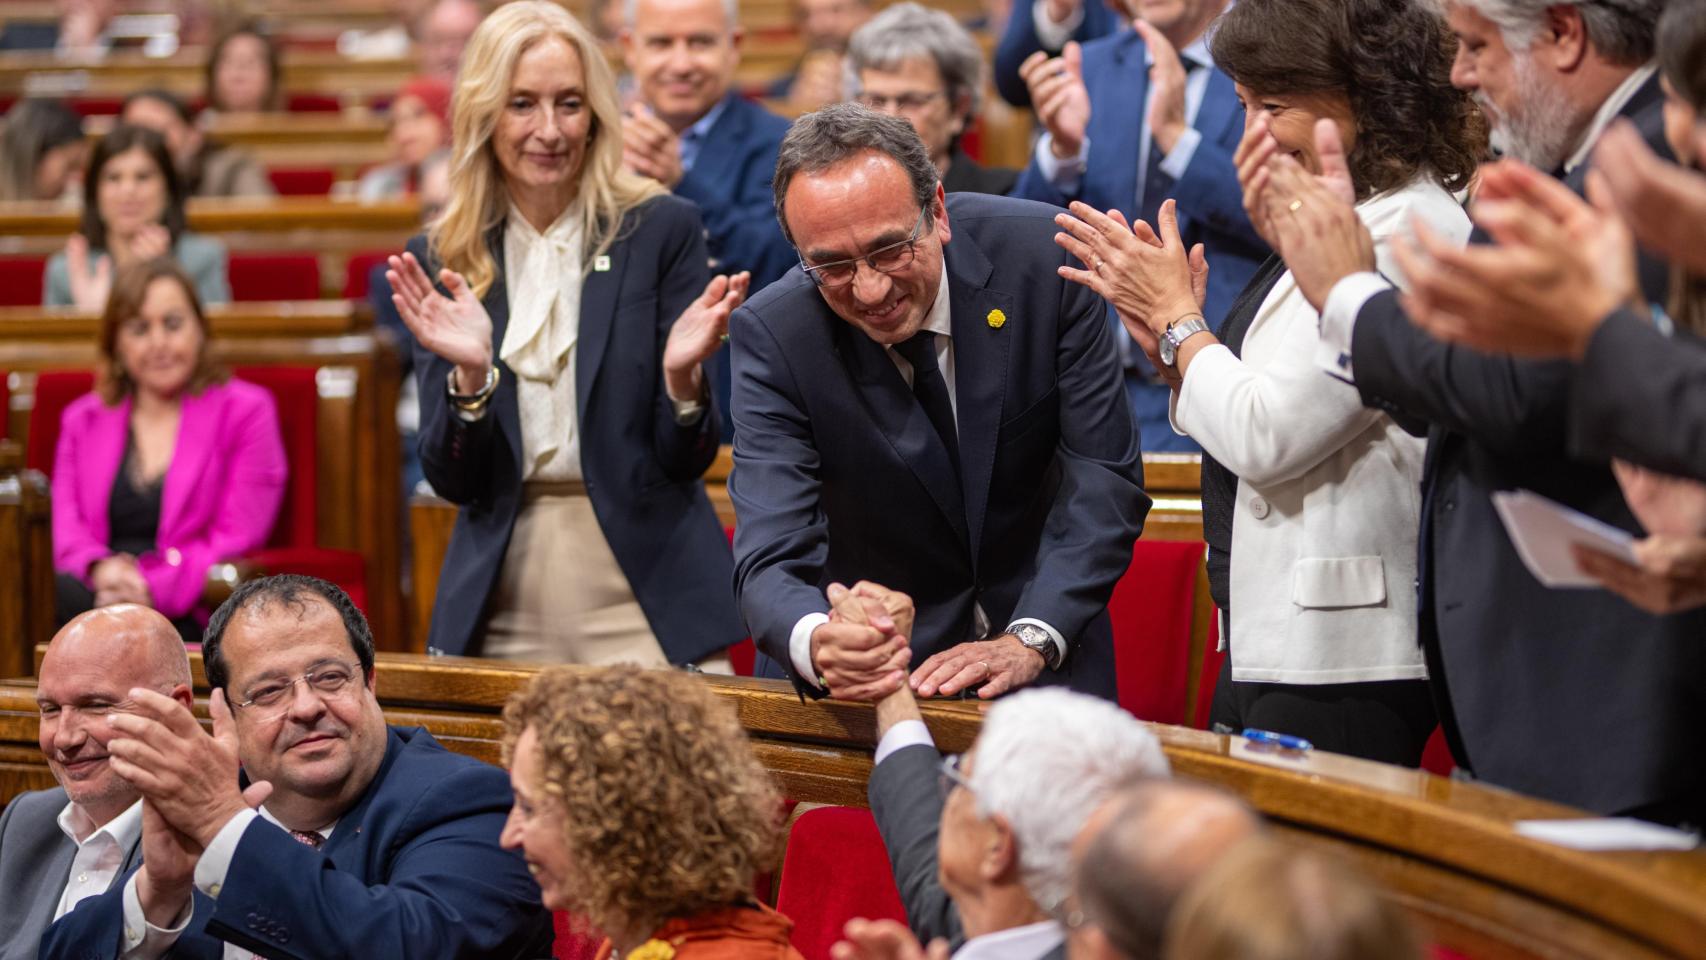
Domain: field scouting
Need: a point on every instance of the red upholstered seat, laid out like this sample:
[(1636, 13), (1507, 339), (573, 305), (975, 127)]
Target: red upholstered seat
[(312, 103), (1436, 756), (1151, 610), (21, 281), (274, 276), (292, 548), (302, 181), (358, 269), (836, 869)]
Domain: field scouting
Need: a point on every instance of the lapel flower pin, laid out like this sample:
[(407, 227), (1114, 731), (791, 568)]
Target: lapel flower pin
[(996, 319)]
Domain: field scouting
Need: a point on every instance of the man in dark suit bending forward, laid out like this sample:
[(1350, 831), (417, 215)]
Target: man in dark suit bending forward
[(925, 403)]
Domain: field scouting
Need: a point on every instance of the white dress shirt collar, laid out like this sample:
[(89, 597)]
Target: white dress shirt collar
[(125, 829), (1015, 943), (101, 852), (1608, 112)]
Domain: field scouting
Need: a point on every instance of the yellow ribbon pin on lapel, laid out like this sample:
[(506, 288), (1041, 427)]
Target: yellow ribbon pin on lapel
[(996, 319)]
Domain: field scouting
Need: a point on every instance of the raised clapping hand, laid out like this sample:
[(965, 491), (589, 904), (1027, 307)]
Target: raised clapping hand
[(1310, 219), (884, 940), (456, 328), (699, 331), (1167, 80), (1059, 97), (188, 781), (1558, 267), (649, 147), (1150, 280), (1665, 204), (90, 283), (863, 651)]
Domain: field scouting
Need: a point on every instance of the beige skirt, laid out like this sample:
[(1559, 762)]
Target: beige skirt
[(561, 597)]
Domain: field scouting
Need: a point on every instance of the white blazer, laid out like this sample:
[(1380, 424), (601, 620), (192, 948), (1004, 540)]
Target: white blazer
[(1329, 491)]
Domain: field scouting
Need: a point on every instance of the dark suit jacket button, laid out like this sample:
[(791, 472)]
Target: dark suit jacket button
[(1448, 505)]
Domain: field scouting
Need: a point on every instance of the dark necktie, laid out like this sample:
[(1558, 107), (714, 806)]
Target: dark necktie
[(932, 390), (1157, 185), (308, 837)]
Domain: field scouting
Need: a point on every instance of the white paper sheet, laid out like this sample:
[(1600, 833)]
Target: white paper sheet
[(1608, 833), (1543, 531)]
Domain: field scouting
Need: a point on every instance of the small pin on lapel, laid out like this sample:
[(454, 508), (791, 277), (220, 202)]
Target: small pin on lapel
[(996, 319), (601, 263)]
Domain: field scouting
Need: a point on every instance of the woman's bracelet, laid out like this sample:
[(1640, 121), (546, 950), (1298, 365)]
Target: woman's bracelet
[(473, 403)]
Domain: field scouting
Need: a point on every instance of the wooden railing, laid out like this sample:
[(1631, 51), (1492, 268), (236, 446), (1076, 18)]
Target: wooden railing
[(1446, 851)]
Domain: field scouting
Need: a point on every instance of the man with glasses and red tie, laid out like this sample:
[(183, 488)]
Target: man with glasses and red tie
[(341, 837), (925, 403)]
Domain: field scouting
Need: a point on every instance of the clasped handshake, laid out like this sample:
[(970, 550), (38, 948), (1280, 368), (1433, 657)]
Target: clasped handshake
[(864, 651)]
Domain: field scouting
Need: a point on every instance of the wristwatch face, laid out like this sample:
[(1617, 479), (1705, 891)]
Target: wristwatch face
[(1036, 639), (1168, 352)]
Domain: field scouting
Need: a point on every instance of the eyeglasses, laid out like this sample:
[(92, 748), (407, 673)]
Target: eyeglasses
[(889, 259), (951, 776), (326, 679), (903, 102)]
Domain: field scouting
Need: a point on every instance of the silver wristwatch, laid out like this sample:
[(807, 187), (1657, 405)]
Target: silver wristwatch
[(1037, 639), (1177, 333)]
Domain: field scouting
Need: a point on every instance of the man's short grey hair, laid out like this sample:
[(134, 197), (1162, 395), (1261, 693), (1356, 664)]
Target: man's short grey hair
[(911, 31), (1622, 31), (731, 12), (1046, 759), (818, 141)]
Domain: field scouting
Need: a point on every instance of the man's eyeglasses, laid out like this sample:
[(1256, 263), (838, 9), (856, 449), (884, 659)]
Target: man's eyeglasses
[(951, 776), (888, 259), (326, 679), (902, 102)]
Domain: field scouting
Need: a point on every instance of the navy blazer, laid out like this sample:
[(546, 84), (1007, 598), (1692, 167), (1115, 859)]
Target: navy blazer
[(730, 183), (415, 865), (642, 469), (1571, 695), (1211, 203), (839, 475), (1020, 40)]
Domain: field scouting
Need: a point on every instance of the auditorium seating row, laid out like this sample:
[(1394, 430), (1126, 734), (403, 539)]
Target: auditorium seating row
[(1445, 851), (290, 248)]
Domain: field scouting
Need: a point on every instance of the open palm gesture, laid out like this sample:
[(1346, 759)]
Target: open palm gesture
[(456, 327)]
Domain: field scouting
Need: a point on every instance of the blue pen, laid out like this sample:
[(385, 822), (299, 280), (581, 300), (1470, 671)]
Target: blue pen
[(1284, 741)]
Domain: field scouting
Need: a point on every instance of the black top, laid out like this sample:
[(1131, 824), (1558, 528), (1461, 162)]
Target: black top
[(133, 510), (1220, 485)]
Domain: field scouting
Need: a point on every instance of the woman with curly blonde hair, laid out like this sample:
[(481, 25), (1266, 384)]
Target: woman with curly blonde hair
[(641, 807), (560, 369)]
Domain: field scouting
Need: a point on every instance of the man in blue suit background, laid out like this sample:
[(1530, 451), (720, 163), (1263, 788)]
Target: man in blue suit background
[(1047, 25), (1131, 120), (691, 131), (365, 839), (944, 418)]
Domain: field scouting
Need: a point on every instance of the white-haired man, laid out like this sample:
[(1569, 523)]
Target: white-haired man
[(981, 843), (1570, 695)]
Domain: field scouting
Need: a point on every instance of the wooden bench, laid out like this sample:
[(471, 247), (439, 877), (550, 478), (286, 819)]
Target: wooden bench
[(334, 229), (347, 142), (1445, 851), (359, 481)]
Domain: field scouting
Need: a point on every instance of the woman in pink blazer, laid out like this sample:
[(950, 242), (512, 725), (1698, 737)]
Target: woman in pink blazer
[(168, 467)]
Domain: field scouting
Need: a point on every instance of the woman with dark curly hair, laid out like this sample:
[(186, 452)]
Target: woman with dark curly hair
[(1310, 501), (641, 808)]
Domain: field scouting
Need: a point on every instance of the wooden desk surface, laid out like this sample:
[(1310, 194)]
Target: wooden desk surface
[(1446, 850)]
